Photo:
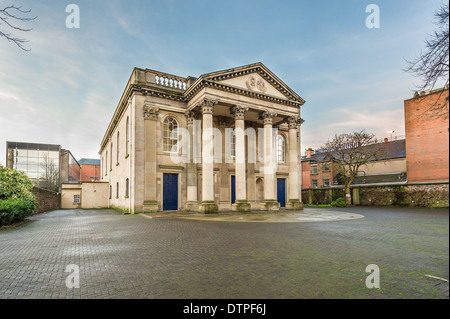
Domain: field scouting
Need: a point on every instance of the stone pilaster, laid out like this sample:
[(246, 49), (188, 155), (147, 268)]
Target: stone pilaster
[(241, 203), (150, 114), (191, 166)]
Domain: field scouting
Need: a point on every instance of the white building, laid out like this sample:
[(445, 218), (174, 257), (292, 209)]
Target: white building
[(225, 140)]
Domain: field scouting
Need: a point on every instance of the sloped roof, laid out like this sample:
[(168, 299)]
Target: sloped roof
[(391, 150), (89, 161)]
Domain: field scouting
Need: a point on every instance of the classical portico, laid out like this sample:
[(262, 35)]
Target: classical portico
[(227, 140)]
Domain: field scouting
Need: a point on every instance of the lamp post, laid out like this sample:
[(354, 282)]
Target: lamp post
[(391, 132)]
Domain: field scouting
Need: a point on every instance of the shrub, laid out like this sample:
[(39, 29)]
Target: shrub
[(13, 210), (17, 202), (15, 184), (340, 202)]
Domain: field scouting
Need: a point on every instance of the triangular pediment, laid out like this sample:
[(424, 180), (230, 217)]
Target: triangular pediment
[(256, 78)]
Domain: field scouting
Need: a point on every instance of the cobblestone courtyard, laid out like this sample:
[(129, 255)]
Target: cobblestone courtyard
[(131, 256)]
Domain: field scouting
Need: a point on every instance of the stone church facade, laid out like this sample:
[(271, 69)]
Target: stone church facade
[(227, 140)]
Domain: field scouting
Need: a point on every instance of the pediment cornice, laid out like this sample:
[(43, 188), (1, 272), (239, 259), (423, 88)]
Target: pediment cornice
[(213, 80)]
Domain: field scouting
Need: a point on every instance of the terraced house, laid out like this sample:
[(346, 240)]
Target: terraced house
[(227, 140)]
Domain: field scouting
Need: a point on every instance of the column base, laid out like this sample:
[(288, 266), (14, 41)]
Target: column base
[(191, 207), (208, 207), (150, 206), (294, 204), (241, 206), (271, 204)]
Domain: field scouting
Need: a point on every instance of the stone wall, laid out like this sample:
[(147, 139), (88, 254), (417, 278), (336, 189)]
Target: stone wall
[(47, 200), (410, 195)]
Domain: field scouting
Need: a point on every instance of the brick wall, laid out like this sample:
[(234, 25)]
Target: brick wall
[(89, 171), (47, 200), (427, 138)]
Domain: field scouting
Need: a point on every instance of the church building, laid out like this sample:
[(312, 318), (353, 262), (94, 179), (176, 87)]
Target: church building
[(227, 140)]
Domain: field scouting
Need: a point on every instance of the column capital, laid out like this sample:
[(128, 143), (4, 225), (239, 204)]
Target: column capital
[(293, 122), (267, 117), (190, 116), (207, 106), (238, 112), (150, 112)]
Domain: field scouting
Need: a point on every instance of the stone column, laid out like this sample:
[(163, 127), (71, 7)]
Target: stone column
[(150, 120), (208, 204), (191, 166), (294, 201), (241, 204), (269, 163), (299, 145)]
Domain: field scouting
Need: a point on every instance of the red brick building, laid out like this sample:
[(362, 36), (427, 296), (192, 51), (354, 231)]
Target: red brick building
[(427, 136), (90, 169)]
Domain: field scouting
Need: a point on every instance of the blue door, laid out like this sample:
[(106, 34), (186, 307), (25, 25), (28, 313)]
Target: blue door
[(233, 189), (170, 192), (281, 191)]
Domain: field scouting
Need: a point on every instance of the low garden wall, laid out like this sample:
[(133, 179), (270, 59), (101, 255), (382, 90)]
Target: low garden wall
[(408, 195)]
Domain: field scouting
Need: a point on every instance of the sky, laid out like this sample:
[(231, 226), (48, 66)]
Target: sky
[(66, 88)]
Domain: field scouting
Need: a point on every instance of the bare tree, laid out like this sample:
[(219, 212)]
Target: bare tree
[(432, 65), (50, 175), (348, 152), (10, 16)]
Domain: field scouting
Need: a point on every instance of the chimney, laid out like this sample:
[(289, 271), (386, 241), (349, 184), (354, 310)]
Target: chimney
[(309, 152)]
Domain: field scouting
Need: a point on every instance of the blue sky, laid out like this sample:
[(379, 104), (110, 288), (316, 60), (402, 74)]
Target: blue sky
[(65, 90)]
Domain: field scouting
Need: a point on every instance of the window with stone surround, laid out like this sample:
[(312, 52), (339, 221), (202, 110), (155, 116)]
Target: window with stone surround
[(233, 142), (128, 137), (281, 149), (117, 154), (314, 169), (170, 135)]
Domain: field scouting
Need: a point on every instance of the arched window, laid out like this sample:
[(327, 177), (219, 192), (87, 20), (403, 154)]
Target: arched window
[(170, 135), (117, 155), (128, 137), (281, 149)]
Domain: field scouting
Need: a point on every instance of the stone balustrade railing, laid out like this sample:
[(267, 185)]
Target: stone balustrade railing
[(170, 81)]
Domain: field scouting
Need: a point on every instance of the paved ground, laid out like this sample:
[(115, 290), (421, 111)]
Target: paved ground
[(130, 256)]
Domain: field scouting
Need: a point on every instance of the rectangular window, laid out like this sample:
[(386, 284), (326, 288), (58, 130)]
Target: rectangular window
[(326, 182), (314, 183), (233, 143), (314, 169), (117, 190), (76, 199), (127, 187), (326, 167)]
